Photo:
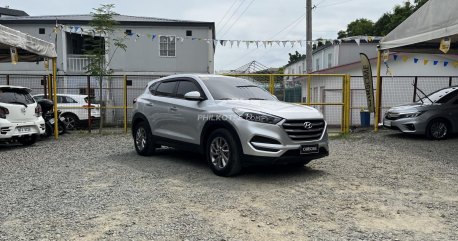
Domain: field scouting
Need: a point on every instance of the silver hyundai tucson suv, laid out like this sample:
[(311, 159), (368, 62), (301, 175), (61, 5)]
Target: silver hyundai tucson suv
[(232, 121)]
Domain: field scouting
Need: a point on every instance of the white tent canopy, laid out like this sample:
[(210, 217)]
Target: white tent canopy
[(424, 29), (30, 49)]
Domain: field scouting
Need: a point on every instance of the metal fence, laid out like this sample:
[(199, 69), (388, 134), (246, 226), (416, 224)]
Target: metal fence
[(339, 97)]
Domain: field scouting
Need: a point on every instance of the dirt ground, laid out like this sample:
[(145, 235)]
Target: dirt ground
[(384, 186)]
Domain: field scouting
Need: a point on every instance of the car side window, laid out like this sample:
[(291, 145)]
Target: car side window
[(70, 100), (166, 88), (456, 102), (448, 97), (152, 88), (60, 99), (186, 86), (38, 97)]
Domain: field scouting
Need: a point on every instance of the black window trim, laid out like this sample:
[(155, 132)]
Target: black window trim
[(201, 90)]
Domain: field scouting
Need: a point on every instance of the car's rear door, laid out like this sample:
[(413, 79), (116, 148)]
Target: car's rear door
[(187, 113), (158, 110)]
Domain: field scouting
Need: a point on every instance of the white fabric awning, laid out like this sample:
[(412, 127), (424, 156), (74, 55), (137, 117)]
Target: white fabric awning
[(29, 48), (424, 29)]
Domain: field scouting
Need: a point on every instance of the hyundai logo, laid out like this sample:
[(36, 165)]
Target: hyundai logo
[(308, 125)]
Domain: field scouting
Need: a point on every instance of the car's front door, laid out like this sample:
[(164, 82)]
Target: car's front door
[(187, 113)]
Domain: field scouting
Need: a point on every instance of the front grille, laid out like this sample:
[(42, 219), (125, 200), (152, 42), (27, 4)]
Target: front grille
[(297, 130)]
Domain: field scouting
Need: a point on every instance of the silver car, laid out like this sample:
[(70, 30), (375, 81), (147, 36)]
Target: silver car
[(435, 115), (232, 121)]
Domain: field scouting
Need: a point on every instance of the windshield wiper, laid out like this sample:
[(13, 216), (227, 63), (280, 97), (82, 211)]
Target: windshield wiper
[(245, 86), (18, 103), (225, 99), (256, 99), (416, 87)]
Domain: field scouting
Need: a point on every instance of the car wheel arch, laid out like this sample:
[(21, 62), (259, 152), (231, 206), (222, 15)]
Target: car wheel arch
[(211, 126), (447, 121), (137, 118)]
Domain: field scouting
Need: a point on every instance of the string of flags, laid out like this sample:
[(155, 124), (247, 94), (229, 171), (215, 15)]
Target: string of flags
[(425, 61), (222, 42)]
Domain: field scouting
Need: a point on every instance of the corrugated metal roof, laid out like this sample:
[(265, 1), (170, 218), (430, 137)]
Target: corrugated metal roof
[(88, 17)]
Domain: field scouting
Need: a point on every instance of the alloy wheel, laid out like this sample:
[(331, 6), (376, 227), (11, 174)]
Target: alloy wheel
[(140, 138), (219, 153), (438, 130)]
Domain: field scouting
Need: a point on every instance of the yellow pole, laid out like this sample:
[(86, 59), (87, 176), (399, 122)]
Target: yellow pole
[(378, 91), (348, 105), (309, 80), (271, 84), (54, 78), (344, 98), (125, 103)]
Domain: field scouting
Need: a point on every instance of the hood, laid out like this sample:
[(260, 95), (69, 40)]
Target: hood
[(288, 111), (412, 107)]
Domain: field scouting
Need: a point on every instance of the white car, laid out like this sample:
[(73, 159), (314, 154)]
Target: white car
[(20, 116), (74, 109)]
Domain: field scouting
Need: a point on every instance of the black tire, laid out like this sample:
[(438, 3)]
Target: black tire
[(438, 129), (223, 153), (72, 122), (28, 140), (143, 139), (62, 128)]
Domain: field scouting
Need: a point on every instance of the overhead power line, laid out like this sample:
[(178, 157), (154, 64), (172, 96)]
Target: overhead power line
[(232, 15), (232, 25), (227, 12)]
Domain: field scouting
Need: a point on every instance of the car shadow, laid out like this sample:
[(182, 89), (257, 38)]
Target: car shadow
[(169, 161)]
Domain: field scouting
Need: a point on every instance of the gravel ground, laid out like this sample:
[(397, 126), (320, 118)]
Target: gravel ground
[(87, 187)]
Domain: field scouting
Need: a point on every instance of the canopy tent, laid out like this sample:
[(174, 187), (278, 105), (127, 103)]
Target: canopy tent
[(422, 32), (30, 49)]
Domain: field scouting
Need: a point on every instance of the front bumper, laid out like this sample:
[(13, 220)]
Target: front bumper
[(284, 148), (10, 130), (407, 125)]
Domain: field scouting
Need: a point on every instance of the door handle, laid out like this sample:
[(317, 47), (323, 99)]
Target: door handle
[(174, 108), (149, 104)]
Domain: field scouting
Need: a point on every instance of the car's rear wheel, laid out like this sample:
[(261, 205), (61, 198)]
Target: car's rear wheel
[(143, 139), (28, 140), (438, 129), (71, 121), (223, 154)]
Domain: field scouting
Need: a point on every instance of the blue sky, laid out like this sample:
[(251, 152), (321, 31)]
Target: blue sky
[(261, 20)]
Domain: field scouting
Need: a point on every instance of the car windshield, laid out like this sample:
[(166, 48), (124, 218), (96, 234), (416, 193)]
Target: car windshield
[(441, 96), (15, 96), (230, 88)]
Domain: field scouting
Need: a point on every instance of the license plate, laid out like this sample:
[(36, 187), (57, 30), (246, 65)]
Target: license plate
[(23, 129), (387, 123), (309, 149)]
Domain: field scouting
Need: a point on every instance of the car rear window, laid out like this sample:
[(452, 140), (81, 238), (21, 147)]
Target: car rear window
[(15, 96)]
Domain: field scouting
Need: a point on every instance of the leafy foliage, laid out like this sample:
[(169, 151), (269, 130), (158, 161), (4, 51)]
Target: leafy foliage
[(104, 26), (385, 24), (293, 58)]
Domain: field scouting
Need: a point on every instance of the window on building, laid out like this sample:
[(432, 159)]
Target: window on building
[(317, 64), (188, 33), (167, 46), (329, 60), (41, 31)]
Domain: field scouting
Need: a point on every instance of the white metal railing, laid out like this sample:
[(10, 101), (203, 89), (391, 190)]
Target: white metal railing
[(77, 63)]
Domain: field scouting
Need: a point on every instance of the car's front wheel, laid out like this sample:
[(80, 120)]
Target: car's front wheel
[(437, 129), (223, 154), (143, 139)]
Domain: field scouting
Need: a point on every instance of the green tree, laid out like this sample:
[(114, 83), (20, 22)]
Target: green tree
[(358, 27), (293, 58), (103, 25)]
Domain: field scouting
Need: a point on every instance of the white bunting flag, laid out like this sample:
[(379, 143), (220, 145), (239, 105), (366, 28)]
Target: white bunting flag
[(358, 41)]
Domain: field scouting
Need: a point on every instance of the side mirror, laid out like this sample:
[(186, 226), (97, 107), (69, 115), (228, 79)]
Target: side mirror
[(193, 95)]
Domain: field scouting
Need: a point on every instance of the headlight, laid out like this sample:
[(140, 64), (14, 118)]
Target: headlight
[(251, 115), (411, 115)]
